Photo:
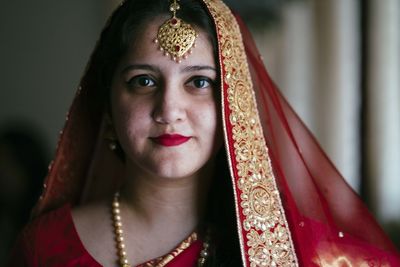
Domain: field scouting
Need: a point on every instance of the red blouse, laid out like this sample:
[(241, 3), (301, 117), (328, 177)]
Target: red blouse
[(52, 240)]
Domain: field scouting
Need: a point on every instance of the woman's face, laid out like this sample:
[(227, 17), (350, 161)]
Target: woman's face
[(165, 114)]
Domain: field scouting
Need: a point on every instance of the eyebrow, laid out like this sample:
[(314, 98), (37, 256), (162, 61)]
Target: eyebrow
[(156, 69), (140, 67), (197, 68)]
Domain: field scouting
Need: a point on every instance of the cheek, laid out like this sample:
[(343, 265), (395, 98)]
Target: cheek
[(216, 116), (208, 117), (130, 118), (212, 130)]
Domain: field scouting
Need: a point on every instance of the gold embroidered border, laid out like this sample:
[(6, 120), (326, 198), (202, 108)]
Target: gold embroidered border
[(164, 260), (264, 229)]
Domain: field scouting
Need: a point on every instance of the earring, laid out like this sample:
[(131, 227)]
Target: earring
[(112, 145), (109, 134)]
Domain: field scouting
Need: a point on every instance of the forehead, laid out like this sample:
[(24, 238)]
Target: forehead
[(143, 49)]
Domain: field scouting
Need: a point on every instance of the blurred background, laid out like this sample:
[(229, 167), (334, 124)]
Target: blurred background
[(337, 62)]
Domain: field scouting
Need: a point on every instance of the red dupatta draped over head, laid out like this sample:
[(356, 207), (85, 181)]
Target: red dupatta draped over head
[(292, 206)]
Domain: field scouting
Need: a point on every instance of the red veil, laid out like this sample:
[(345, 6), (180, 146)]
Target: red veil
[(293, 208), (330, 225)]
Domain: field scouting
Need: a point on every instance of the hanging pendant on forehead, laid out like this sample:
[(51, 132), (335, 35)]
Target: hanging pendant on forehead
[(175, 37)]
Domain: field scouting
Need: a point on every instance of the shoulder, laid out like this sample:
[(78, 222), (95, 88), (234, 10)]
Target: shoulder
[(47, 229), (49, 240), (50, 228)]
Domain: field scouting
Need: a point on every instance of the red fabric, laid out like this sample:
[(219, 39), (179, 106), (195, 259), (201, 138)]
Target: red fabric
[(318, 203), (329, 223), (52, 240)]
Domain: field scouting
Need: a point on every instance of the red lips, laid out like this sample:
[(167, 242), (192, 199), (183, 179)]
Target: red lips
[(170, 139)]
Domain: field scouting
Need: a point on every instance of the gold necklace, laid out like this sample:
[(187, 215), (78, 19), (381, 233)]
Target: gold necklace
[(120, 244)]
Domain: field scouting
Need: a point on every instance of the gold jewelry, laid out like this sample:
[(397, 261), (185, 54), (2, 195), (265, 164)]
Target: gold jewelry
[(122, 256), (204, 252), (109, 134), (121, 251), (112, 145), (176, 37)]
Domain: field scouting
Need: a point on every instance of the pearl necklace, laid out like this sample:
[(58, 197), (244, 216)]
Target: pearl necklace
[(121, 248)]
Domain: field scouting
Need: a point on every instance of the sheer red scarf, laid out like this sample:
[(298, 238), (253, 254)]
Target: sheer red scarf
[(329, 223), (292, 206)]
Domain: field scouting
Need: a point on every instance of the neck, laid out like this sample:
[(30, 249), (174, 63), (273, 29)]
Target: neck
[(173, 204)]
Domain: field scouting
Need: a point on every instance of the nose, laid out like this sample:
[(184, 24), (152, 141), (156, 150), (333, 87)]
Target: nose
[(170, 106)]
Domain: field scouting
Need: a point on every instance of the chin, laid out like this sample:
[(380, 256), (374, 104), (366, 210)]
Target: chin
[(175, 173), (170, 166), (166, 168)]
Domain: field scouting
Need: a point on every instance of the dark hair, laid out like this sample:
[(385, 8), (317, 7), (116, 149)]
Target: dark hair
[(128, 22)]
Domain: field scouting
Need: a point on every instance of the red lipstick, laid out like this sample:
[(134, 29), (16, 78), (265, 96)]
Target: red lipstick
[(170, 139)]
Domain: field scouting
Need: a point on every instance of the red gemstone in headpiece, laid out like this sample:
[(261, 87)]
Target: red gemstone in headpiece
[(174, 21), (177, 48)]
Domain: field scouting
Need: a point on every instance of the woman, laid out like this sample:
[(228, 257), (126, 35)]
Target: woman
[(196, 174)]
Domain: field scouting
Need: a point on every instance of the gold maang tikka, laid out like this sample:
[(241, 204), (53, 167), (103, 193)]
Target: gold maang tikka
[(175, 37)]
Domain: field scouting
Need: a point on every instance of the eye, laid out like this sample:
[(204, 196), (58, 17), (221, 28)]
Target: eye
[(201, 82), (141, 81)]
